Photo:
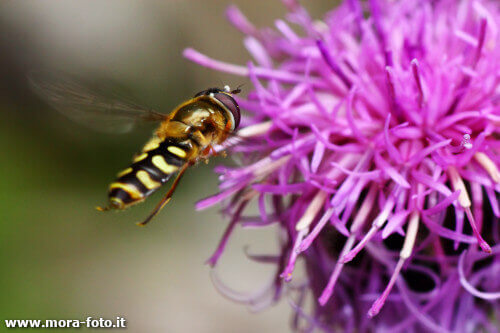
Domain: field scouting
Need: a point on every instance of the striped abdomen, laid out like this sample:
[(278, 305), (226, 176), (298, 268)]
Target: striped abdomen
[(150, 169)]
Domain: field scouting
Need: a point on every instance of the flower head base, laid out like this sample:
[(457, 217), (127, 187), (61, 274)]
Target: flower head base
[(373, 140)]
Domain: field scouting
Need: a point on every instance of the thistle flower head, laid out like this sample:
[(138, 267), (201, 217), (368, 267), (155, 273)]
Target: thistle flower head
[(372, 138)]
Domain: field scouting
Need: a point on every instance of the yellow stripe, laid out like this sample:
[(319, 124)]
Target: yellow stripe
[(160, 163), (117, 202), (140, 157), (130, 189), (146, 180), (152, 144), (124, 172), (177, 151)]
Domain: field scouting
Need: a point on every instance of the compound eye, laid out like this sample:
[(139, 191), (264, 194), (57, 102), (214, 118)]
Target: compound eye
[(201, 93), (231, 105), (208, 92)]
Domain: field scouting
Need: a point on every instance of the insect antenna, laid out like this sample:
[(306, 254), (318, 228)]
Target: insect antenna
[(237, 90)]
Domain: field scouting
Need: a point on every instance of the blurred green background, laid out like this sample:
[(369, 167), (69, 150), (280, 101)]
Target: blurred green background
[(61, 259)]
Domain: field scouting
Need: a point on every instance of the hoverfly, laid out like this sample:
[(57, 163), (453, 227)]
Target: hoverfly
[(184, 137)]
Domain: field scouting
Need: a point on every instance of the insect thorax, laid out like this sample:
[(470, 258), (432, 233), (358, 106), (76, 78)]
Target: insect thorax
[(199, 119)]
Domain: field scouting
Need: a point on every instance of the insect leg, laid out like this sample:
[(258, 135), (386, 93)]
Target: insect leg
[(167, 196)]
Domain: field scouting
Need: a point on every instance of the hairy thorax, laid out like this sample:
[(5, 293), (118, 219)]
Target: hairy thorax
[(201, 122)]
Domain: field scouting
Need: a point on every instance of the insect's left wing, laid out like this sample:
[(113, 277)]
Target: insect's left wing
[(103, 111)]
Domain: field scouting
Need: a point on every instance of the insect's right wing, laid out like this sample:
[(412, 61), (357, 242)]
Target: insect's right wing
[(101, 111)]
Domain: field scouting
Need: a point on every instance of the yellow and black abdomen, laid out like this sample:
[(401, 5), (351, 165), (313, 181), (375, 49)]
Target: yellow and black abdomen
[(153, 167)]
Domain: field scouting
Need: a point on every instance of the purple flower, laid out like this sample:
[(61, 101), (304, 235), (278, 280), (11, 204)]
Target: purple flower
[(373, 139)]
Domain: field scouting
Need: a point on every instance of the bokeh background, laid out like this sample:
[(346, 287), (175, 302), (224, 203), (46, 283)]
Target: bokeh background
[(60, 258)]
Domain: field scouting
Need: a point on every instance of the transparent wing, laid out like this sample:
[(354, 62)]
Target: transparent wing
[(103, 111)]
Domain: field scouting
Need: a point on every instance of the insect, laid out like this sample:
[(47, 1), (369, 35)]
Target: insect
[(184, 137)]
